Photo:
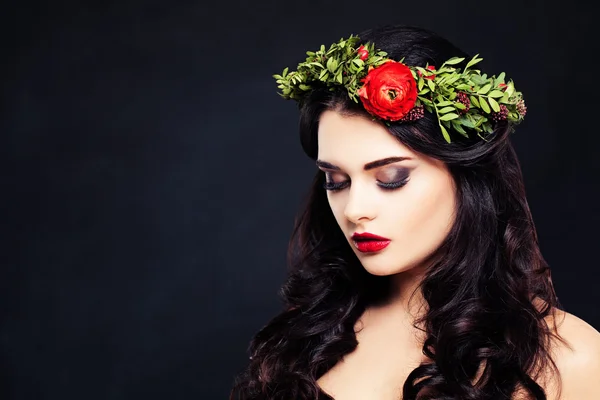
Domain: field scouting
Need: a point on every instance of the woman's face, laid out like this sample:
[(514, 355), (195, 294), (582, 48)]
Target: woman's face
[(378, 185)]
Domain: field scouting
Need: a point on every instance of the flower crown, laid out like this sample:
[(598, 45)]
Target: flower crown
[(394, 92)]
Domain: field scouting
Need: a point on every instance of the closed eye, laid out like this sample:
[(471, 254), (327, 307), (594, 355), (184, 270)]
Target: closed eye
[(337, 186), (392, 185)]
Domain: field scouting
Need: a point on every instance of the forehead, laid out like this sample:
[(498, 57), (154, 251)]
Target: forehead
[(353, 140)]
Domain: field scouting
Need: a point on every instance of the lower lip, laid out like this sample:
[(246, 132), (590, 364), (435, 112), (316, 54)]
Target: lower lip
[(371, 246)]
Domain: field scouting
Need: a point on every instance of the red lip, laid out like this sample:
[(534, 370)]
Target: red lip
[(369, 243), (367, 236)]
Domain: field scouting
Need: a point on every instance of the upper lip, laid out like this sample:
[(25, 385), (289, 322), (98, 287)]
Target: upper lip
[(367, 236)]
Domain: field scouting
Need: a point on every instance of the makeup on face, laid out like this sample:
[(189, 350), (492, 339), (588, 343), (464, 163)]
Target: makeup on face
[(387, 176), (378, 185)]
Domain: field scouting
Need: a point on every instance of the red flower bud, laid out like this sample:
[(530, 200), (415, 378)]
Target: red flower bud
[(502, 86), (430, 77), (362, 52), (431, 68)]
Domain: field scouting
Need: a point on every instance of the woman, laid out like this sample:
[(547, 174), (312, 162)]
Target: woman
[(415, 267)]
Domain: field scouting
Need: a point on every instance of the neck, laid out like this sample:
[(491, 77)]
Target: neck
[(400, 310), (405, 300), (405, 295)]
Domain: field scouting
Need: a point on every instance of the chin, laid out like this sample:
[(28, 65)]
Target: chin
[(380, 272), (379, 268), (380, 265)]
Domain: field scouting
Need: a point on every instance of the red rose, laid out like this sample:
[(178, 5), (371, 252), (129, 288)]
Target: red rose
[(389, 91), (362, 52)]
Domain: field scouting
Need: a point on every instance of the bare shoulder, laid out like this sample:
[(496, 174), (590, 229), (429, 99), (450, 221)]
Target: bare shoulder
[(577, 358)]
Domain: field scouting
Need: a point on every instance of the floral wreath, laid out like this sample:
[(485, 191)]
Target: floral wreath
[(394, 92)]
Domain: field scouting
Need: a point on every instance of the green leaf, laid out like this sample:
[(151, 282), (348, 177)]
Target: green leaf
[(494, 104), (445, 103), (500, 78), (473, 61), (484, 105), (448, 117), (496, 94), (420, 83), (358, 62), (446, 109), (474, 101), (480, 120), (426, 101), (431, 85), (487, 127), (454, 60), (485, 89), (467, 122), (457, 127), (445, 133), (285, 71), (477, 79), (330, 65), (452, 79), (445, 69), (511, 88)]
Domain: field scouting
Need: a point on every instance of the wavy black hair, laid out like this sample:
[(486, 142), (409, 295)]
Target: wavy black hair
[(487, 297)]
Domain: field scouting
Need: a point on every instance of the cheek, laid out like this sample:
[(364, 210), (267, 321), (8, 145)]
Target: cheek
[(418, 217), (337, 203), (426, 215)]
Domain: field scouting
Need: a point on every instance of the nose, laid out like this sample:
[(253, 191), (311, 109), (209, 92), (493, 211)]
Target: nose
[(360, 206)]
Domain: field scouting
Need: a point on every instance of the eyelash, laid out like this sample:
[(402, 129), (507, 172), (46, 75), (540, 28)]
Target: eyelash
[(334, 187)]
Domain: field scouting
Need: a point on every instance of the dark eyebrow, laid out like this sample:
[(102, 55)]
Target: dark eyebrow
[(368, 166)]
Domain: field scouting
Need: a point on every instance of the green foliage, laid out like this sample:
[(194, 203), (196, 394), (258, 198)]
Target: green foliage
[(338, 65), (484, 93), (341, 65)]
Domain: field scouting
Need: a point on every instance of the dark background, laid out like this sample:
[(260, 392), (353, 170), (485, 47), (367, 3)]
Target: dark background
[(151, 175)]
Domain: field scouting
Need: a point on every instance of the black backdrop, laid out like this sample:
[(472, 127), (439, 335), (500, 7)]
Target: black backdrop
[(151, 175)]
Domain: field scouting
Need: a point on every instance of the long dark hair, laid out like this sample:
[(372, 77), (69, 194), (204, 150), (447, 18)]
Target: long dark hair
[(488, 297)]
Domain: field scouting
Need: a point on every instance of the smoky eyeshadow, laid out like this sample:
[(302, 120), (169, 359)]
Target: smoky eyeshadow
[(392, 174)]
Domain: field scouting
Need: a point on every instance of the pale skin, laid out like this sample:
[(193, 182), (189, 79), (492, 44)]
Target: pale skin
[(416, 217)]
